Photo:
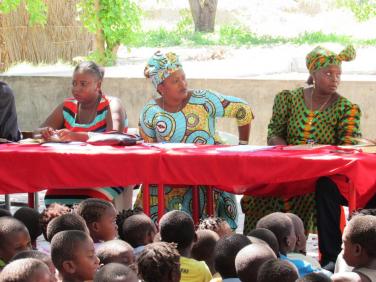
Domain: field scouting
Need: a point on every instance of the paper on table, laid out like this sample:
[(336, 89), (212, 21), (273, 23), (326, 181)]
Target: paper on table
[(244, 148), (171, 145)]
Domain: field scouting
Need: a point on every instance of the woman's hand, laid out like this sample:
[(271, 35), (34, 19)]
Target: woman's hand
[(66, 135), (46, 132)]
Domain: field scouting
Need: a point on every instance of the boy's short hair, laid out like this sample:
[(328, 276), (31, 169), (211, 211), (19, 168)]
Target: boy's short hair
[(204, 247), (31, 218), (135, 228), (64, 244), (32, 254), (4, 212), (110, 249), (49, 213), (157, 260), (314, 277), (115, 272), (69, 221), (225, 252), (123, 215), (250, 258), (177, 227), (215, 224), (22, 270), (8, 226), (362, 230), (279, 223), (277, 270), (267, 236), (92, 209)]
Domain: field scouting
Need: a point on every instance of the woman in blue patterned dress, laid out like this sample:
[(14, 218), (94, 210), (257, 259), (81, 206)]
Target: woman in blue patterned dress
[(181, 115)]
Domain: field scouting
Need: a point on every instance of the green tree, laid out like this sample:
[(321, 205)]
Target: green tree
[(203, 13), (113, 22), (37, 9)]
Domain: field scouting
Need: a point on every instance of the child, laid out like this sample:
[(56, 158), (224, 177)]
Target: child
[(27, 269), (204, 247), (216, 224), (116, 251), (14, 238), (49, 213), (178, 227), (225, 252), (39, 256), (159, 262), (115, 272), (314, 277), (249, 259), (138, 230), (282, 227), (74, 256), (267, 236), (277, 270), (30, 217), (359, 249), (100, 217), (69, 221)]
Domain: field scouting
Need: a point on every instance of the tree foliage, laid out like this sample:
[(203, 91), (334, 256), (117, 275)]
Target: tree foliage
[(37, 9)]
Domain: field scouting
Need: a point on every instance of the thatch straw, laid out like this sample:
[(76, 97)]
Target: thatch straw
[(62, 38)]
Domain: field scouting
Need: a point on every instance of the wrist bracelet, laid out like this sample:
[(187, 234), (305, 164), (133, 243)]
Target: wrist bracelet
[(243, 142)]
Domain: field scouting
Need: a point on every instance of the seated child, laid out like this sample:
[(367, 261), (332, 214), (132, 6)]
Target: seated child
[(216, 224), (225, 252), (178, 227), (267, 236), (250, 258), (27, 269), (203, 248), (100, 217), (159, 262), (315, 277), (277, 270), (116, 251), (282, 227), (115, 272), (359, 249), (138, 230), (49, 213), (39, 256), (69, 221), (14, 238), (73, 255), (30, 217)]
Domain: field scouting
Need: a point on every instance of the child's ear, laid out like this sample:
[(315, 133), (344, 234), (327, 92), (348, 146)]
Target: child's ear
[(94, 226), (195, 238), (288, 243), (357, 249), (69, 266)]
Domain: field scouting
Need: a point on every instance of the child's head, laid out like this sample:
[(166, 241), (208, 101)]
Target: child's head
[(14, 238), (93, 75), (178, 227), (73, 254), (69, 221), (49, 213), (203, 248), (100, 217), (27, 269), (314, 277), (359, 241), (216, 224), (267, 236), (138, 230), (250, 258), (225, 252), (116, 251), (281, 225), (115, 272), (301, 239), (277, 270), (159, 262), (31, 218), (39, 256)]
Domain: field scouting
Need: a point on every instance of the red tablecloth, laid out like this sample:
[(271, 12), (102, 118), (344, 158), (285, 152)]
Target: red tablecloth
[(29, 168)]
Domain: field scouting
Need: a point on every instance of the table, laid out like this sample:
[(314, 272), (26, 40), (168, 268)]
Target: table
[(236, 169)]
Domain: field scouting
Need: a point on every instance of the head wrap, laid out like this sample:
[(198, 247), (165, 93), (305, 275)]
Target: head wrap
[(321, 57), (160, 66)]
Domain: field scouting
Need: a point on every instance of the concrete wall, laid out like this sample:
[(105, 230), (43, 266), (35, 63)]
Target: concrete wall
[(37, 96)]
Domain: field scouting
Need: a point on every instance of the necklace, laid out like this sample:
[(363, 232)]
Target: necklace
[(91, 116), (177, 109), (312, 113)]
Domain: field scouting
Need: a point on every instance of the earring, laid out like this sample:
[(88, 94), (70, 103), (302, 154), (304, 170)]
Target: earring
[(314, 84)]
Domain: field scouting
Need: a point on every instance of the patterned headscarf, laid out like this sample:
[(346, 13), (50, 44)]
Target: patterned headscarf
[(321, 57), (160, 66)]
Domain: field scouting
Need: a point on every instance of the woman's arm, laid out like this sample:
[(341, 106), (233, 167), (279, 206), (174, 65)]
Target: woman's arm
[(349, 126), (116, 115), (53, 122)]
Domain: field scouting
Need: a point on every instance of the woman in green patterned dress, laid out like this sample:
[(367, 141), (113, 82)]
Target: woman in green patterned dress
[(317, 114)]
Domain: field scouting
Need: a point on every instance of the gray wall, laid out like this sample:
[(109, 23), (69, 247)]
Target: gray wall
[(37, 96)]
